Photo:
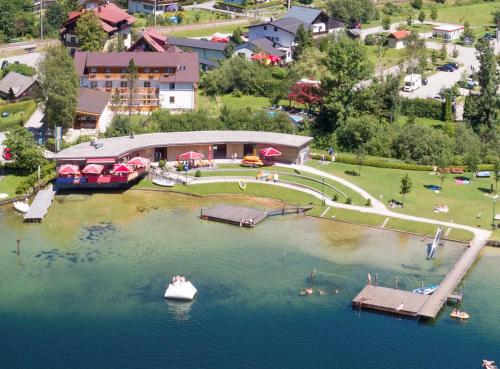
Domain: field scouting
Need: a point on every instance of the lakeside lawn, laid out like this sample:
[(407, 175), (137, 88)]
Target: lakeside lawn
[(388, 58), (206, 32), (19, 113), (468, 203), (9, 183)]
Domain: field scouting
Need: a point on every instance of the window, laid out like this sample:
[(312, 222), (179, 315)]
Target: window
[(147, 70), (169, 70), (93, 70), (123, 70), (123, 84), (275, 29), (147, 84), (93, 84), (108, 70), (109, 84), (265, 28), (172, 99), (172, 86), (73, 39), (156, 70)]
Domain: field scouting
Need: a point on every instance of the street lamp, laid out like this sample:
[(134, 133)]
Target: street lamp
[(493, 216)]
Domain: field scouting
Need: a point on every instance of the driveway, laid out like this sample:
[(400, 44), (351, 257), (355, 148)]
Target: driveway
[(28, 59)]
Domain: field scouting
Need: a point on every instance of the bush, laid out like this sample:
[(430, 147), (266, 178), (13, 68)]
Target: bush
[(161, 164), (47, 174), (180, 167), (370, 40), (335, 197), (348, 201), (368, 202), (198, 173), (422, 108)]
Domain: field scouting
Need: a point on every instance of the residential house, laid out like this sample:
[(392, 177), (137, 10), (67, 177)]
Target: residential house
[(448, 32), (15, 86), (209, 52), (249, 49), (113, 21), (148, 6), (398, 39), (93, 110), (165, 80), (282, 31)]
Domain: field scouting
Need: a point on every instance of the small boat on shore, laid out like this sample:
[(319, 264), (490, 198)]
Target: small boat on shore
[(21, 206), (276, 177), (489, 364), (426, 290), (3, 196), (180, 289), (242, 184), (164, 182), (462, 315)]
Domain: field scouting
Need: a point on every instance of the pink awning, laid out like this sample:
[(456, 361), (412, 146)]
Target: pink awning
[(93, 169), (122, 168), (270, 151), (190, 155), (68, 169), (138, 161)]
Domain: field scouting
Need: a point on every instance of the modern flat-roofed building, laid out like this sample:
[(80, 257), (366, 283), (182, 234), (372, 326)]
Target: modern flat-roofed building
[(148, 6), (448, 32), (114, 21), (165, 80)]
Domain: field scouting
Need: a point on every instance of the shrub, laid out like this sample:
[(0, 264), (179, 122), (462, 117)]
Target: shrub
[(348, 201), (198, 173), (161, 164), (368, 202), (371, 161), (423, 108), (335, 197), (180, 167)]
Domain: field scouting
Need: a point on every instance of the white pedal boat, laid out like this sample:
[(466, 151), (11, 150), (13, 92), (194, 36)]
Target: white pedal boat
[(180, 289), (21, 206), (163, 182)]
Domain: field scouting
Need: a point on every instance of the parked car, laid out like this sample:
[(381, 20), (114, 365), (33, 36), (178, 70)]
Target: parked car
[(5, 63), (452, 64), (7, 155), (425, 81), (445, 68)]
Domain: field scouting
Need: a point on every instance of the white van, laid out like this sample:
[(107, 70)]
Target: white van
[(412, 82)]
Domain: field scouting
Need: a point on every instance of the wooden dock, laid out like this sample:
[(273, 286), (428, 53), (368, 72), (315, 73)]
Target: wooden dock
[(389, 300), (417, 305), (40, 206), (241, 216)]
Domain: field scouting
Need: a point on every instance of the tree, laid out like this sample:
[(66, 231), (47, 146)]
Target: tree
[(496, 172), (488, 81), (70, 5), (307, 94), (417, 4), (386, 23), (409, 18), (472, 160), (132, 77), (421, 16), (468, 32), (7, 19), (455, 53), (20, 68), (405, 185), (433, 57), (347, 65), (352, 11), (312, 67), (443, 52), (234, 40), (415, 53), (89, 32), (434, 12), (56, 14), (303, 40), (26, 154), (58, 87), (360, 158), (448, 107)]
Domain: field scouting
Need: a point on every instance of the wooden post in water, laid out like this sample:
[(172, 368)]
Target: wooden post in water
[(376, 279), (18, 246), (396, 280), (422, 287)]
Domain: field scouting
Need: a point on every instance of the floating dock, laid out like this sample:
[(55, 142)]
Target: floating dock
[(246, 217), (415, 304), (40, 206)]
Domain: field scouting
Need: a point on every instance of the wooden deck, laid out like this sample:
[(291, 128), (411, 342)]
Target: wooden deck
[(389, 299), (40, 206), (241, 216)]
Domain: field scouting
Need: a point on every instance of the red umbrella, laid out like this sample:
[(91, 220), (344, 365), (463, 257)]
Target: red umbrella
[(270, 151), (141, 162), (68, 169), (190, 155), (122, 168), (93, 169)]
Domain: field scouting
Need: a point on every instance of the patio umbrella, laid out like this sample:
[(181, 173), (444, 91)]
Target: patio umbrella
[(93, 169), (269, 152), (122, 168), (190, 155), (141, 162), (68, 169)]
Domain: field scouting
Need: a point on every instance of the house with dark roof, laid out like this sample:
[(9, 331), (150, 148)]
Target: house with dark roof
[(114, 21), (209, 52), (165, 80), (92, 109), (15, 86), (282, 31), (261, 45)]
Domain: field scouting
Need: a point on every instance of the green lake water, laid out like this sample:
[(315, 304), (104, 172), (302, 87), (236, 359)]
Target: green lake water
[(86, 291)]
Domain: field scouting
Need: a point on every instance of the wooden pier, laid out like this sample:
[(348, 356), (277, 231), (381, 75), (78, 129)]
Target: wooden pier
[(415, 304), (246, 217), (40, 206)]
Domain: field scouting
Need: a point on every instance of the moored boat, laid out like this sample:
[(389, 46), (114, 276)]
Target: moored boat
[(426, 290), (21, 206), (459, 314), (163, 182), (180, 289), (489, 364)]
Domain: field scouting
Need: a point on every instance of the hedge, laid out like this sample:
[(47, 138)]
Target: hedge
[(222, 4), (372, 161), (422, 108), (31, 183)]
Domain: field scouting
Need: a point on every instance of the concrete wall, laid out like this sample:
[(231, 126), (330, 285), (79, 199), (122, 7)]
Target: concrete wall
[(184, 96)]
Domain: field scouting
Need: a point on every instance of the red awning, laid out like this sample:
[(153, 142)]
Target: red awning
[(93, 169), (122, 168), (270, 151), (138, 161), (101, 160), (68, 169), (190, 155)]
